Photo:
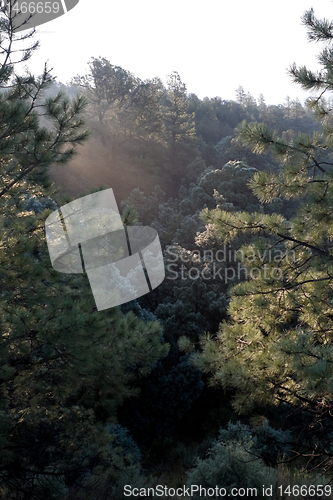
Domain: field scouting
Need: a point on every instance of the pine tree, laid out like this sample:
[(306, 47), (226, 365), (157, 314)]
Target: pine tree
[(240, 95), (179, 123), (64, 367), (277, 347), (179, 126)]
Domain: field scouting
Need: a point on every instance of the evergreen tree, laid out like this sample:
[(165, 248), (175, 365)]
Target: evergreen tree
[(240, 95), (179, 123), (64, 367), (179, 127), (277, 348)]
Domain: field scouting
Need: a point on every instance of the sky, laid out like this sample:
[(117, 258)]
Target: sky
[(215, 45)]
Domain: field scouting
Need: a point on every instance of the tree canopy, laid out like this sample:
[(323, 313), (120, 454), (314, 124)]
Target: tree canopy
[(63, 368), (277, 346), (223, 374)]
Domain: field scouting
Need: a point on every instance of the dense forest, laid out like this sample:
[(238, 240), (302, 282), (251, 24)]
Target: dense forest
[(217, 383)]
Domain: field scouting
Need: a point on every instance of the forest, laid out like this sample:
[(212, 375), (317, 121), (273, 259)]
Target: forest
[(219, 382)]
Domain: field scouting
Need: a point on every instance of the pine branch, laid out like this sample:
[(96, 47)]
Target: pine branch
[(318, 30)]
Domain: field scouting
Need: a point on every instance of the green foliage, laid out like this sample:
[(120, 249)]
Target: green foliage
[(318, 29), (269, 444), (70, 371), (232, 182), (64, 367), (147, 134), (145, 206), (127, 458), (277, 346), (140, 122), (178, 122), (230, 464)]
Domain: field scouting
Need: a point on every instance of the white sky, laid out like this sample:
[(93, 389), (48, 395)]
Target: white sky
[(215, 45)]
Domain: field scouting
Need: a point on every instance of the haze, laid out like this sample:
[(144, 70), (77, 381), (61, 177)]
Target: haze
[(214, 45)]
